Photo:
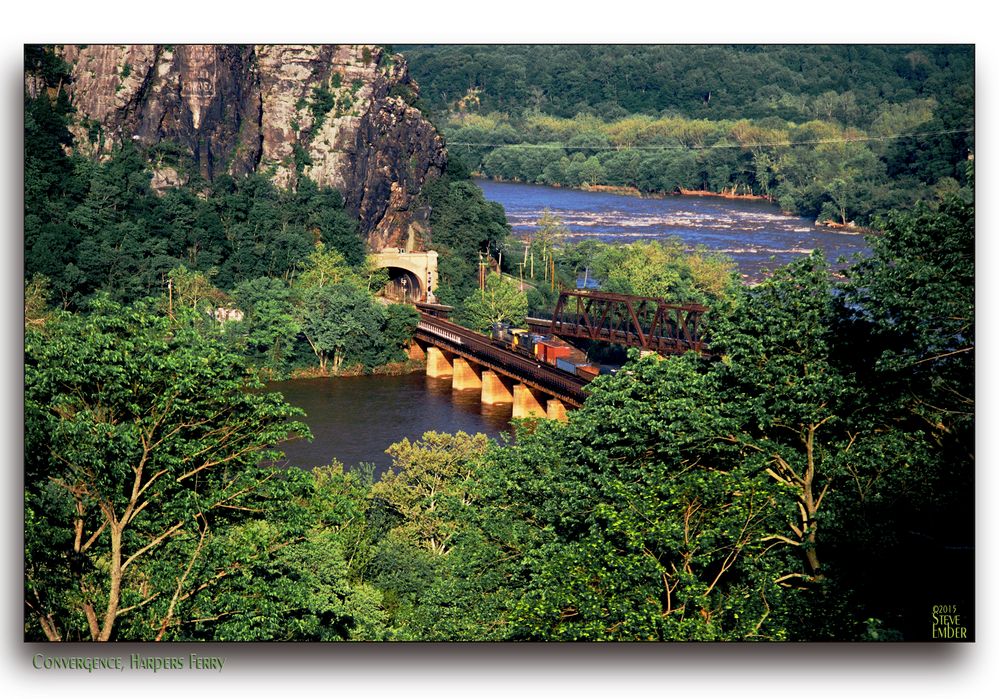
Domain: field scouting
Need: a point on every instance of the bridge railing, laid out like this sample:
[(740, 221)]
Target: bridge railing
[(439, 332)]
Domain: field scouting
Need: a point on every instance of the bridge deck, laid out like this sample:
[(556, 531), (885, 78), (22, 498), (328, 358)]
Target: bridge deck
[(466, 343)]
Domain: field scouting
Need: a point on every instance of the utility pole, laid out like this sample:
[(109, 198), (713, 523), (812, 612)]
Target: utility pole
[(482, 276)]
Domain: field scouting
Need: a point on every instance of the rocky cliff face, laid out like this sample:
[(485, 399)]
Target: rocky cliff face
[(339, 115)]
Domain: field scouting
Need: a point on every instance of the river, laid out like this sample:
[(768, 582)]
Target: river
[(753, 232), (355, 419)]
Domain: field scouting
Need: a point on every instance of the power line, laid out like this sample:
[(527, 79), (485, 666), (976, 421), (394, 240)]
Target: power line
[(778, 144)]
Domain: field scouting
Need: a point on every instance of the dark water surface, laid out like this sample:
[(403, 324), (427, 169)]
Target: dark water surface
[(355, 419), (753, 232)]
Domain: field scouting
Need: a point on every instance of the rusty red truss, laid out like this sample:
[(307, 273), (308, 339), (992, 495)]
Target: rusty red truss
[(634, 321)]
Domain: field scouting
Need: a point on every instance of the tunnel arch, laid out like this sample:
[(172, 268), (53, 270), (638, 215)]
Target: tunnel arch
[(412, 275), (403, 285)]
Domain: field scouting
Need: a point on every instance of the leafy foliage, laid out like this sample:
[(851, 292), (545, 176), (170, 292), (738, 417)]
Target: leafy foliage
[(141, 439), (297, 572), (664, 269), (341, 323), (270, 322), (500, 301), (464, 225), (441, 580), (793, 82)]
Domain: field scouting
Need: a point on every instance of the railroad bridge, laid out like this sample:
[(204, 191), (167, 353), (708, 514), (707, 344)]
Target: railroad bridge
[(472, 361), (535, 388)]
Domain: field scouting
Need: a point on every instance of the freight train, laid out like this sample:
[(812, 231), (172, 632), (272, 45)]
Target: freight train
[(544, 348)]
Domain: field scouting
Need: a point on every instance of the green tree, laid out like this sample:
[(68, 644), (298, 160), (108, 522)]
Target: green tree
[(194, 290), (442, 580), (36, 300), (917, 293), (397, 331), (501, 301), (586, 172), (324, 267), (297, 570), (912, 306), (431, 483), (666, 270), (341, 323), (270, 322), (141, 441), (465, 226), (550, 233), (615, 528)]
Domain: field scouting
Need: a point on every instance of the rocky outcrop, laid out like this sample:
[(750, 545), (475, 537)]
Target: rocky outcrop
[(339, 115)]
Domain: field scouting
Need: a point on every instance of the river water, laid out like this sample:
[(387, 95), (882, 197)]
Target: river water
[(355, 419), (753, 232)]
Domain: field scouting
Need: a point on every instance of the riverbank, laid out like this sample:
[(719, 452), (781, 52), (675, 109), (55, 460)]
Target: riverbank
[(629, 191), (725, 194), (410, 366), (846, 228)]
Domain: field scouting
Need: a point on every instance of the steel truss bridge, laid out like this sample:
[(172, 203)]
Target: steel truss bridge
[(648, 323)]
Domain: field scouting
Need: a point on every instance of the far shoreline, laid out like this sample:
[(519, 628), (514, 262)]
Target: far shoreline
[(629, 191)]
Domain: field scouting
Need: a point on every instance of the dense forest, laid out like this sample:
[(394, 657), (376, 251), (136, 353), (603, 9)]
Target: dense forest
[(837, 133), (812, 478)]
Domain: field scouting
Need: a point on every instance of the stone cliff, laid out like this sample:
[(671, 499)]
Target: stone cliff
[(339, 115)]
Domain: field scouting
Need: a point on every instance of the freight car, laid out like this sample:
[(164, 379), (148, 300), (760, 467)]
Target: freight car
[(544, 349)]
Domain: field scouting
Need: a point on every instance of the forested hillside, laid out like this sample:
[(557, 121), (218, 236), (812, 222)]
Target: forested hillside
[(698, 82), (838, 133)]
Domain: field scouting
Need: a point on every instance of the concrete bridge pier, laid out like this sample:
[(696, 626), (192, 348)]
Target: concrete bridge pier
[(526, 403), (555, 410), (466, 375), (439, 365), (492, 386), (494, 389)]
